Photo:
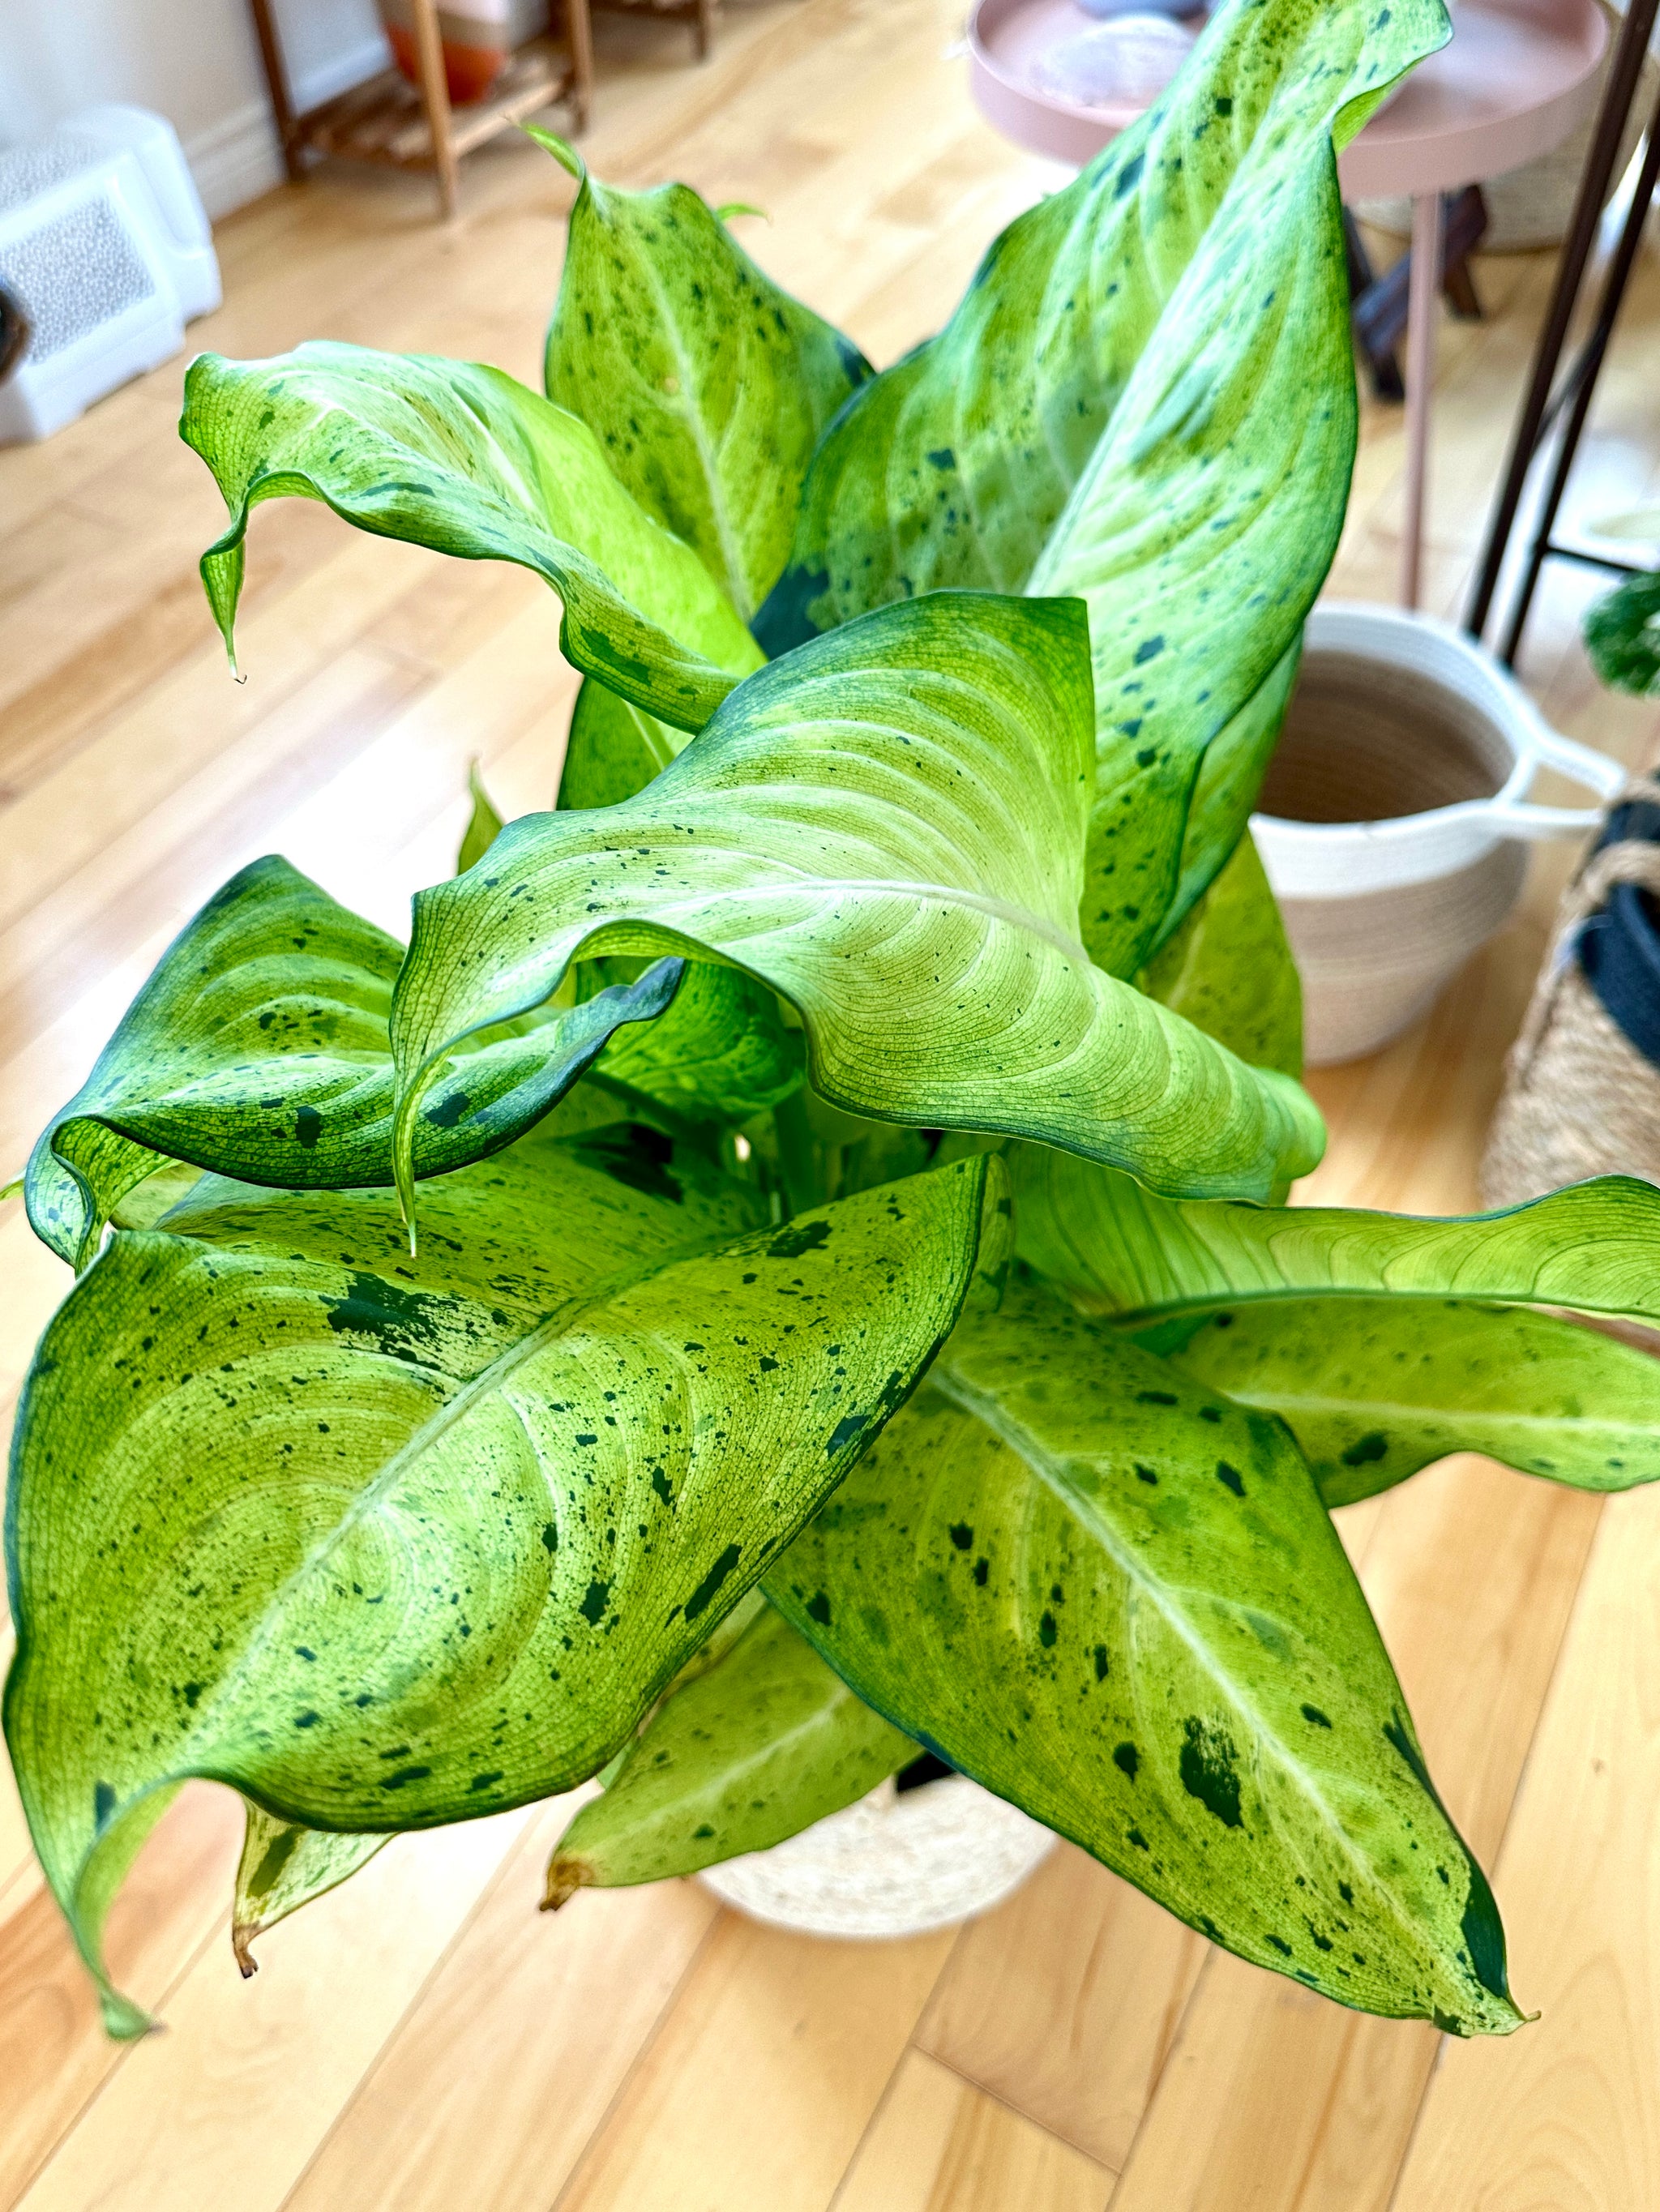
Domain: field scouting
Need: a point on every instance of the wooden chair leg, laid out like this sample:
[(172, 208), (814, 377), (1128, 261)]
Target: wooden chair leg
[(435, 100), (276, 79), (579, 31)]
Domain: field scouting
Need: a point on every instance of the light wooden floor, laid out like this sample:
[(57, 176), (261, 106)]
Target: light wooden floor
[(422, 2038)]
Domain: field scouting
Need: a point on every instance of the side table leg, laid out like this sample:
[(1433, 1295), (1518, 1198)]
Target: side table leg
[(1422, 298), (276, 79), (435, 99), (579, 32)]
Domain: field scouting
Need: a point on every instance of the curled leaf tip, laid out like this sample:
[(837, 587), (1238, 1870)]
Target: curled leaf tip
[(562, 150), (242, 1934), (724, 213), (125, 2022), (567, 1873)]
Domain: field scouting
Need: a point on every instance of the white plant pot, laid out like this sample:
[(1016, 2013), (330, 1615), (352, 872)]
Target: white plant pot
[(1395, 812), (898, 1863)]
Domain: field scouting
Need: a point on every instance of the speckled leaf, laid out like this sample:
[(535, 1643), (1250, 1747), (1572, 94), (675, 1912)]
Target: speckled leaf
[(1116, 1599), (1374, 1389), (284, 1866), (706, 385), (460, 458), (1225, 795), (1229, 968), (613, 749), (388, 1542), (721, 1053), (750, 1753), (1146, 396), (886, 827), (1622, 636), (258, 1049), (1118, 1249), (484, 823)]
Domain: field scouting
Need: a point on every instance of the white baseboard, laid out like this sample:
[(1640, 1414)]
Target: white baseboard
[(236, 161)]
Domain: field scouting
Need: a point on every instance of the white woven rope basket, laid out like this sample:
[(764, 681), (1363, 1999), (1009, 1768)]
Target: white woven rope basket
[(898, 1863)]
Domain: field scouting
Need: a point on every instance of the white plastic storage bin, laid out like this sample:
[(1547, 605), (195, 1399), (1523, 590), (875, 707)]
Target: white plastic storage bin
[(104, 240)]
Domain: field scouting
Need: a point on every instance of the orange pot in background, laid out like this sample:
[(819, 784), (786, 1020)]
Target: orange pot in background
[(477, 37)]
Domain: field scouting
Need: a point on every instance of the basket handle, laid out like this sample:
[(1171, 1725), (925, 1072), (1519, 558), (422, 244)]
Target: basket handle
[(1520, 817)]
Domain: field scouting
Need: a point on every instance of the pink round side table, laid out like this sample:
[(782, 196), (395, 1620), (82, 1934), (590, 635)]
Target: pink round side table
[(1517, 77)]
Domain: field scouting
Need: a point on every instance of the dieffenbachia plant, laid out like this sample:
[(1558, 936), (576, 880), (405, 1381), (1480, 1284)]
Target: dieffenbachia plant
[(786, 1269)]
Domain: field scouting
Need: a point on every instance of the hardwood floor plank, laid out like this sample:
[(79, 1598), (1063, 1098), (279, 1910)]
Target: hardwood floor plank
[(1065, 2000), (510, 2057), (1564, 2115), (54, 2054), (249, 2075), (755, 2094), (140, 758), (940, 2145)]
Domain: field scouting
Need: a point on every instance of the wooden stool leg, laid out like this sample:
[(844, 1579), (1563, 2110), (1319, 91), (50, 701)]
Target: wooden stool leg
[(435, 99), (277, 79), (579, 32), (1420, 376)]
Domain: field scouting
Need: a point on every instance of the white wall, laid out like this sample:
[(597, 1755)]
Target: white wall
[(194, 61)]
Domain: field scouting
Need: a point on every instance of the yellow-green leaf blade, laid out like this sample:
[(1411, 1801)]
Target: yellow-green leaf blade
[(388, 1543), (886, 827), (706, 384), (1116, 1599), (750, 1753), (1374, 1389), (283, 1867), (459, 457), (1119, 1249)]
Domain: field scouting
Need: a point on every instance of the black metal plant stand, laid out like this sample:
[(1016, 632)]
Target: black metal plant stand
[(1549, 402)]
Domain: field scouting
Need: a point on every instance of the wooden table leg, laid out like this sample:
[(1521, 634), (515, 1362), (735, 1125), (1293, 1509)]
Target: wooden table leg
[(435, 99), (579, 33), (276, 79), (1421, 377)]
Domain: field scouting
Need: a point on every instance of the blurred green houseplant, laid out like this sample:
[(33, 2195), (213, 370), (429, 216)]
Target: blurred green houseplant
[(852, 1308)]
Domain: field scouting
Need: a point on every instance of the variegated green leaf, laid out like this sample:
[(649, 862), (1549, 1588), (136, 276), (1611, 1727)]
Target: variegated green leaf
[(284, 1866), (1116, 1599), (484, 823), (460, 458), (1146, 397), (1118, 1249), (613, 749), (1224, 793), (258, 1049), (1375, 1387), (387, 1542), (706, 385), (751, 1752), (1228, 968), (721, 1053), (886, 828)]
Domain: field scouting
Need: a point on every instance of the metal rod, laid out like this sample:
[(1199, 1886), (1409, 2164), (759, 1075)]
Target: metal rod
[(1555, 552), (1594, 187), (1614, 293), (1425, 286)]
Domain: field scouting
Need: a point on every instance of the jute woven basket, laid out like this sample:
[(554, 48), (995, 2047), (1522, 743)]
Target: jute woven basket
[(1579, 1098)]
